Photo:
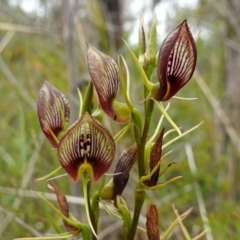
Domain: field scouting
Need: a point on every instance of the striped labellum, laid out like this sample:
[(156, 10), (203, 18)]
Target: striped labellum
[(87, 142)]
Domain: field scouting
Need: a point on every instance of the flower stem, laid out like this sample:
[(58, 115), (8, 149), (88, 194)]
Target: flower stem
[(139, 200), (89, 213), (141, 143)]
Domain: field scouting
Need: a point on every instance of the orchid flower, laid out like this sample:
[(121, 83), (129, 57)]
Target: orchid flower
[(105, 77), (53, 112), (176, 62), (85, 146)]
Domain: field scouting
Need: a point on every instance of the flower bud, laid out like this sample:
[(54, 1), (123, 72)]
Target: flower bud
[(142, 38), (152, 224), (147, 46)]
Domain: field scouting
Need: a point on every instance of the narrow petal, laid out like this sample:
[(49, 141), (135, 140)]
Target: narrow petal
[(176, 62), (53, 112), (86, 141), (123, 167), (105, 77)]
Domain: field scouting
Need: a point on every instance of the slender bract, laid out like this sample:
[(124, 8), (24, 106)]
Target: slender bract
[(176, 62), (53, 112), (86, 146)]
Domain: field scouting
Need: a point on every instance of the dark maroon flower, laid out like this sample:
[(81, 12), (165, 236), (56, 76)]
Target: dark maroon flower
[(176, 62), (105, 77), (86, 146), (53, 112)]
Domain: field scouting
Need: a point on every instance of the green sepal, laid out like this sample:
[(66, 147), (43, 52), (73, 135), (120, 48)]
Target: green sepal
[(107, 193), (124, 212), (122, 132), (161, 184), (49, 174), (125, 86), (156, 168), (168, 118), (147, 152), (122, 111), (68, 220), (180, 136), (170, 229), (86, 233), (57, 237)]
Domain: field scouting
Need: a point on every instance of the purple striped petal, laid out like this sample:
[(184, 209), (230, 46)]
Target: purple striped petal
[(53, 112), (176, 62), (105, 77)]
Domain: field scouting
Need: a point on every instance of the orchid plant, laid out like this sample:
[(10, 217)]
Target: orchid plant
[(86, 149)]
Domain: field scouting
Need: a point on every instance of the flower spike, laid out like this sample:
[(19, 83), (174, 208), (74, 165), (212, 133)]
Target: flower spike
[(105, 77), (176, 62), (86, 148), (53, 112)]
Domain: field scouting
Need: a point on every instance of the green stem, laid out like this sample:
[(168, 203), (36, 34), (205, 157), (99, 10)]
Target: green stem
[(141, 144), (95, 209), (87, 101), (141, 148), (139, 200), (89, 212)]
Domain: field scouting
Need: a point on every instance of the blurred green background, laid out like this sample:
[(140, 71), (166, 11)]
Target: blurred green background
[(45, 39)]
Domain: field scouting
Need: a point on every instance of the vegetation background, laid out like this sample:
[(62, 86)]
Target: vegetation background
[(45, 39)]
